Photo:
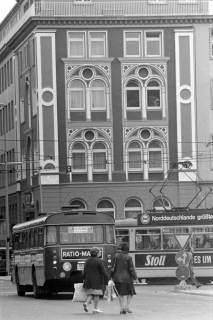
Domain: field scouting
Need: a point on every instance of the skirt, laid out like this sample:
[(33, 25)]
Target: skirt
[(125, 289), (94, 292)]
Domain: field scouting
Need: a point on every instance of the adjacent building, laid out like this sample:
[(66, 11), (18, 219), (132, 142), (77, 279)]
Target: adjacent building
[(107, 105)]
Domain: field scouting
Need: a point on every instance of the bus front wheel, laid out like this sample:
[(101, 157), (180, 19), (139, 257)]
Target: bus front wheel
[(37, 291), (19, 288)]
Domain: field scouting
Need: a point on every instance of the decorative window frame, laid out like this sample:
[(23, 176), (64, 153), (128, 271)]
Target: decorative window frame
[(94, 151), (107, 209), (154, 88), (156, 133), (131, 71), (83, 151), (70, 90), (100, 72), (126, 89), (161, 150), (100, 135), (130, 169)]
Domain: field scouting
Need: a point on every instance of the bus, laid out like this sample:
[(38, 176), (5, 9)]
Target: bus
[(155, 238), (50, 251)]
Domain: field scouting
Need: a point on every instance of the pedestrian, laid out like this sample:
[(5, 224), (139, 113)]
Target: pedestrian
[(123, 275), (190, 266), (95, 279)]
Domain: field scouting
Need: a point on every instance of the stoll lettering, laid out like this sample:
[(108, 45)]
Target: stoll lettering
[(155, 260)]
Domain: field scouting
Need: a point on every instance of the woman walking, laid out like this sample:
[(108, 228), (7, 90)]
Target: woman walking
[(95, 280), (123, 275)]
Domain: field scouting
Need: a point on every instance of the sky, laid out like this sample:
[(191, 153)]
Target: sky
[(5, 7)]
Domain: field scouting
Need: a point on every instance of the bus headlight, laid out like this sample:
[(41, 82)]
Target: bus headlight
[(67, 266)]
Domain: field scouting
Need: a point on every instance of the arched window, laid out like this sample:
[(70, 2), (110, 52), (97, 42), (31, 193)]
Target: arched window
[(132, 208), (107, 206), (78, 157), (79, 204), (153, 94), (155, 155), (161, 204), (133, 94), (98, 95), (135, 156), (76, 95), (99, 157)]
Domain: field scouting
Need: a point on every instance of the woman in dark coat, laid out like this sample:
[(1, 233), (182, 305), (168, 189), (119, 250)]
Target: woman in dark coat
[(123, 275), (95, 279)]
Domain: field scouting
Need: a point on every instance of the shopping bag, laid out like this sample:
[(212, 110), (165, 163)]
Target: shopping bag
[(110, 294), (79, 293)]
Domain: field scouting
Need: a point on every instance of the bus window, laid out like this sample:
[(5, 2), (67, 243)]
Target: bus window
[(81, 234), (122, 235), (147, 239), (51, 235), (40, 237), (110, 234)]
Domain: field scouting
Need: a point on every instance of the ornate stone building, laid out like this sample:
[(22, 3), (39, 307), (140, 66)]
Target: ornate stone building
[(107, 104)]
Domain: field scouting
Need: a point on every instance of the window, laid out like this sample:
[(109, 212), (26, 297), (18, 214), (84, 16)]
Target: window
[(110, 234), (132, 208), (51, 235), (81, 234), (132, 94), (135, 156), (107, 206), (99, 157), (98, 95), (91, 44), (153, 95), (161, 204), (122, 235), (132, 44), (76, 95), (147, 239), (76, 47), (155, 155), (97, 44), (153, 43), (211, 43), (79, 204), (78, 157)]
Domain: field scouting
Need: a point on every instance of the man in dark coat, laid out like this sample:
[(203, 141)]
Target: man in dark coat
[(95, 279)]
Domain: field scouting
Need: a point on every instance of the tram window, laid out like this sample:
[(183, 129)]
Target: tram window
[(51, 235), (179, 230), (203, 241), (81, 234), (40, 237), (110, 234), (16, 241), (170, 242), (122, 235), (147, 239)]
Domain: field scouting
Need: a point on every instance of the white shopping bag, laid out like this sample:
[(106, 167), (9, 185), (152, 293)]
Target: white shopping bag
[(79, 293)]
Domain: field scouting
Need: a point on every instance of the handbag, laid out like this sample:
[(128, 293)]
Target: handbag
[(79, 293)]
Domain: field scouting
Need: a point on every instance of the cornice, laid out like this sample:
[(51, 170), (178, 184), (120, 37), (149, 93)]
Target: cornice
[(120, 21)]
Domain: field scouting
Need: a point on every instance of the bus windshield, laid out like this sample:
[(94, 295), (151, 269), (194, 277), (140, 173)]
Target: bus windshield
[(81, 234)]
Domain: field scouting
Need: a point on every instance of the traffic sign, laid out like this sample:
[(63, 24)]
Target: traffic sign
[(182, 258), (182, 239), (182, 272)]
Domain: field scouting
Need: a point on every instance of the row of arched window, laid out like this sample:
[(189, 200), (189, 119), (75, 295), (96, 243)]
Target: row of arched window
[(132, 207)]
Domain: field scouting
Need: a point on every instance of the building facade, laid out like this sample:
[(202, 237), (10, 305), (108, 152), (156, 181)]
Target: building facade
[(107, 105)]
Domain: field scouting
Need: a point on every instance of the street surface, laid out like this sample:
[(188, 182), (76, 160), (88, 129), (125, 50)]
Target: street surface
[(156, 302)]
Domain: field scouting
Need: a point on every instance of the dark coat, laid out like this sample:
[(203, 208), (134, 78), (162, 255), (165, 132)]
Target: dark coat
[(123, 268), (95, 275)]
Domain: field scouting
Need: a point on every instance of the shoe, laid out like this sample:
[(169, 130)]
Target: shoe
[(85, 307), (123, 312), (129, 311), (198, 285), (97, 311)]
